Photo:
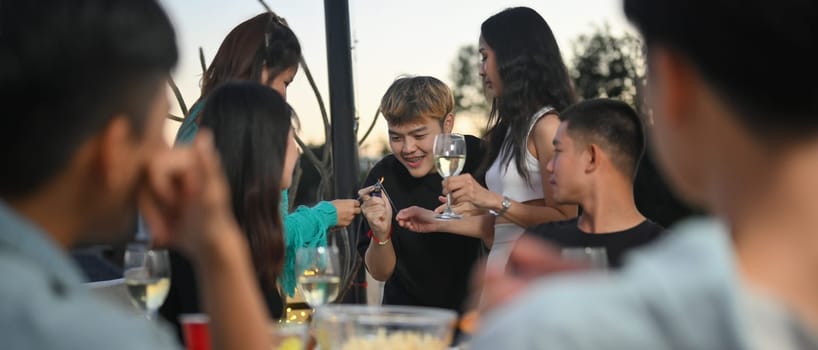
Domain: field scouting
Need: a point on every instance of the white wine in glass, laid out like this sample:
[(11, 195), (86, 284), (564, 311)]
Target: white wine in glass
[(318, 272), (449, 165), (319, 290), (450, 157), (147, 277)]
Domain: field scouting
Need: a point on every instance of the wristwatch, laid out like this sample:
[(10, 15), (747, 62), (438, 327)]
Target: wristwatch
[(506, 204)]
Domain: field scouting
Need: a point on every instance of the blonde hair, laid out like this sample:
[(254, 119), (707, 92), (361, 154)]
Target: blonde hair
[(412, 97)]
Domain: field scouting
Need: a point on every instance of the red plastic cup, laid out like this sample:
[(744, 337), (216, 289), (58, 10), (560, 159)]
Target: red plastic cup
[(196, 331)]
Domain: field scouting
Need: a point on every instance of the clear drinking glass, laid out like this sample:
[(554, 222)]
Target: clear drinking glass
[(450, 156), (147, 277), (318, 274), (594, 257), (347, 254)]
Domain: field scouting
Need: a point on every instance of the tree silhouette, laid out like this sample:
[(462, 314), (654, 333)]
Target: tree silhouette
[(605, 65), (467, 88)]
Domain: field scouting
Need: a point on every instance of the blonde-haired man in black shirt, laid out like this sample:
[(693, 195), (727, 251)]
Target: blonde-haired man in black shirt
[(428, 269)]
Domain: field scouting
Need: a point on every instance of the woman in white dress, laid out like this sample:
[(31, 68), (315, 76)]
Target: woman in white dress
[(523, 71)]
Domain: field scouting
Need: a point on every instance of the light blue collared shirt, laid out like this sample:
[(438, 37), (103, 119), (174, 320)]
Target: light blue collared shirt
[(44, 304), (683, 292)]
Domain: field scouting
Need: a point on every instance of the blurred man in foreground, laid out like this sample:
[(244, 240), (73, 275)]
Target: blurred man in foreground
[(82, 84)]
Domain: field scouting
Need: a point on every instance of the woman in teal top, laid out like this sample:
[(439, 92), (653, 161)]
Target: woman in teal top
[(275, 64), (263, 49)]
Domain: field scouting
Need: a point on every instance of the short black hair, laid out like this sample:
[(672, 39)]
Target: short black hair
[(68, 67), (612, 125), (759, 55)]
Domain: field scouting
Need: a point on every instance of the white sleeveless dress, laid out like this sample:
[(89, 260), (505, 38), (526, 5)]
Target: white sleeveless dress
[(508, 181)]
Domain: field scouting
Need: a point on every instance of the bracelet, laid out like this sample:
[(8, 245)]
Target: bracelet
[(504, 205), (388, 237)]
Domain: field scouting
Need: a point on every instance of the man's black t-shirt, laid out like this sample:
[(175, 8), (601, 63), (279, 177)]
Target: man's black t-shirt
[(432, 269), (617, 244)]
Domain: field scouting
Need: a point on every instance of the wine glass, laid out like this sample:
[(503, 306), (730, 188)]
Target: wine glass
[(594, 257), (450, 156), (147, 276), (318, 272), (339, 237)]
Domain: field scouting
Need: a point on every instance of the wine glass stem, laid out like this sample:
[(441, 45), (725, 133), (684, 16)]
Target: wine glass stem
[(449, 202)]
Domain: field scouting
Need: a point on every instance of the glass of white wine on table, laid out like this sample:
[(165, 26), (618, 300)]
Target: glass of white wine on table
[(318, 274), (450, 156), (147, 277)]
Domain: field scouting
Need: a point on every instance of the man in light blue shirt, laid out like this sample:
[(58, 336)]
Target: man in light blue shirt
[(732, 86), (44, 304), (83, 90), (683, 293)]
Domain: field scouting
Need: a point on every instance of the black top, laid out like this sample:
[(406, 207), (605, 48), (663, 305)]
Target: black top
[(432, 269), (95, 265), (183, 296), (617, 244)]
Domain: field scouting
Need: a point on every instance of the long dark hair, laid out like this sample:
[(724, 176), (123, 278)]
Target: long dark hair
[(533, 76), (263, 41), (251, 124)]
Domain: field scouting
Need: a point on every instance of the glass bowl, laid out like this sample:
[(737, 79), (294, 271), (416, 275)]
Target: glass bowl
[(363, 327), (290, 336)]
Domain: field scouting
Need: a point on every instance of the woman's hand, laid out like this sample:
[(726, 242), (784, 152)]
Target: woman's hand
[(464, 209), (465, 189), (346, 209)]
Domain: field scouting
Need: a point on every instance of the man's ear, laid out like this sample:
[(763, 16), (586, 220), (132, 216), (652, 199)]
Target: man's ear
[(592, 157), (115, 153), (448, 123)]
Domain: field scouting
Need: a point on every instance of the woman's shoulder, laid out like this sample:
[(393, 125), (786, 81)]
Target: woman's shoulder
[(545, 120), (545, 127), (546, 113), (547, 117), (541, 113), (541, 135)]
